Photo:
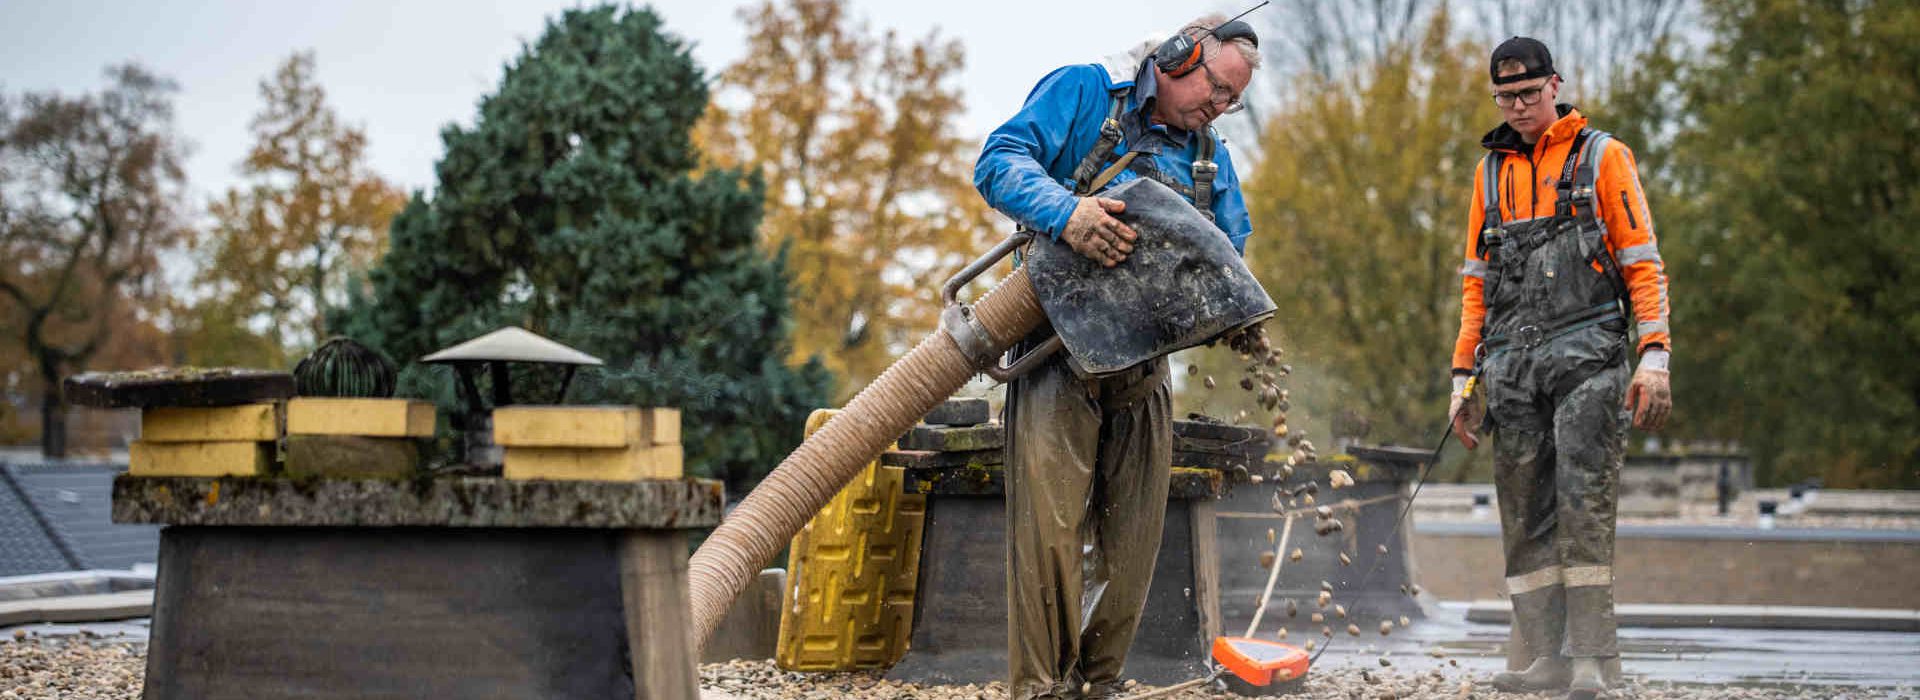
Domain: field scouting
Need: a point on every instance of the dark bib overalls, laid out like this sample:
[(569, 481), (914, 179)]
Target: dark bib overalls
[(1554, 364)]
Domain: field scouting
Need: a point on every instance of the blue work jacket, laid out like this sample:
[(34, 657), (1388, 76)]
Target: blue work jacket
[(1026, 167)]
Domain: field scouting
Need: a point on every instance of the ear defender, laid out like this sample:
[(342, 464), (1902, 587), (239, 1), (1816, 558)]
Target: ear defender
[(1180, 54)]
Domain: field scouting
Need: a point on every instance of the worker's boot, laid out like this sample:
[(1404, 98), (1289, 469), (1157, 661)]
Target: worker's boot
[(1546, 673), (1588, 682)]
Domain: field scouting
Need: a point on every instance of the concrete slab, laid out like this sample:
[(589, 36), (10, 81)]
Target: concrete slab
[(461, 502), (99, 607), (71, 583), (1780, 617)]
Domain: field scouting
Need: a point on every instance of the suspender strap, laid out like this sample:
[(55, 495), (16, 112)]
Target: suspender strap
[(1107, 175), (1110, 135), (1583, 181), (1490, 196), (1584, 189), (1088, 176), (1563, 203)]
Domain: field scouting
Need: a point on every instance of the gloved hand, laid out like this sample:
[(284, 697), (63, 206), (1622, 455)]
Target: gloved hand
[(1650, 395), (1092, 231), (1466, 413)]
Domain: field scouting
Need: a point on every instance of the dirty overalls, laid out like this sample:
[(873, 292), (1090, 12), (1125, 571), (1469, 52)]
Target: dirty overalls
[(1088, 467), (1554, 367)]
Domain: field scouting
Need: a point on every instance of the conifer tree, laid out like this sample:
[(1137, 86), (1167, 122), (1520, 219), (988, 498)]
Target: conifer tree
[(571, 207)]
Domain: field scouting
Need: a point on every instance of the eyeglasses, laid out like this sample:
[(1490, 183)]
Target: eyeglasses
[(1223, 93), (1528, 97)]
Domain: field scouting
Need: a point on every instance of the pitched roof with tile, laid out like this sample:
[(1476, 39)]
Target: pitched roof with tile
[(58, 517)]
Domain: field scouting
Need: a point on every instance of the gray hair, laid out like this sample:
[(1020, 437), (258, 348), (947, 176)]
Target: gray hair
[(1199, 27)]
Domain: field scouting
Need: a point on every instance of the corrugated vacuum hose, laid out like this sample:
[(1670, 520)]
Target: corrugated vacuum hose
[(769, 516)]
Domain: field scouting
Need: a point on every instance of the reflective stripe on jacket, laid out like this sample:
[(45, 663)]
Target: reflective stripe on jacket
[(1526, 188)]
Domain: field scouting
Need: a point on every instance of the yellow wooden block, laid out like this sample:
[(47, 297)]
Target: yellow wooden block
[(669, 461), (593, 463), (254, 422), (395, 418), (223, 458), (585, 426), (663, 425)]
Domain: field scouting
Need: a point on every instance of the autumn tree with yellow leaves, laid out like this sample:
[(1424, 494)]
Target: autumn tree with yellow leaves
[(1358, 210), (868, 184), (284, 244)]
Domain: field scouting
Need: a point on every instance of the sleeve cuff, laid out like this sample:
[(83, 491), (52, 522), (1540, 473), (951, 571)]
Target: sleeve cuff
[(1056, 222), (1654, 358)]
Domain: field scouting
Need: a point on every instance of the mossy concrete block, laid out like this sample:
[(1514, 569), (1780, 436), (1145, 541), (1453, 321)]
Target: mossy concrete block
[(428, 502), (1223, 432), (958, 412), (1255, 446), (924, 459), (181, 386), (990, 436), (1185, 484), (351, 456), (1215, 460)]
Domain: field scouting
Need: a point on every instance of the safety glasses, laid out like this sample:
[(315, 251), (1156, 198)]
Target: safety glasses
[(1223, 93)]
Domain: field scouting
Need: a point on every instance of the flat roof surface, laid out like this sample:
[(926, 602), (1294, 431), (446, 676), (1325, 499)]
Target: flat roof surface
[(1763, 657)]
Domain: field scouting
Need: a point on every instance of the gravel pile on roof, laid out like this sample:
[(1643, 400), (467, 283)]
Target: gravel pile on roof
[(80, 669), (761, 680), (90, 669)]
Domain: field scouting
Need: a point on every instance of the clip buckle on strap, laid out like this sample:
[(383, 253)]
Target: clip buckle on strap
[(1563, 203), (1528, 336), (1203, 174), (1534, 335)]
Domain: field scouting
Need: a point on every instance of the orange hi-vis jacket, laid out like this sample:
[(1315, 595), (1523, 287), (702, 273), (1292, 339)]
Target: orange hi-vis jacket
[(1527, 178)]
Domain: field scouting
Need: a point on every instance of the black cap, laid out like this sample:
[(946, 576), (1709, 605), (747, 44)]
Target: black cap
[(1529, 52)]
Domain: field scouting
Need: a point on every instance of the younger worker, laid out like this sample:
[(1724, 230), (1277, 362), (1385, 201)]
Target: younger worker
[(1561, 266)]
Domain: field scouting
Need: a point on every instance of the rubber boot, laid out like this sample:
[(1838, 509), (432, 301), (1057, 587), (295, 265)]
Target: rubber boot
[(1545, 673), (1588, 682)]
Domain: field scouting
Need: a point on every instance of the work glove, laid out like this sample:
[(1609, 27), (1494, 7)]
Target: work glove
[(1092, 231), (1466, 412), (1650, 395)]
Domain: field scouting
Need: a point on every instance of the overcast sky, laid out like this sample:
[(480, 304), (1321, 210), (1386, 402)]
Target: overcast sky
[(402, 70)]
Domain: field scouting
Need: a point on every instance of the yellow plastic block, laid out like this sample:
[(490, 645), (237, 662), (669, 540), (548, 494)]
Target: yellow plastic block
[(254, 422), (593, 463), (224, 458), (854, 575), (585, 426), (395, 418)]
